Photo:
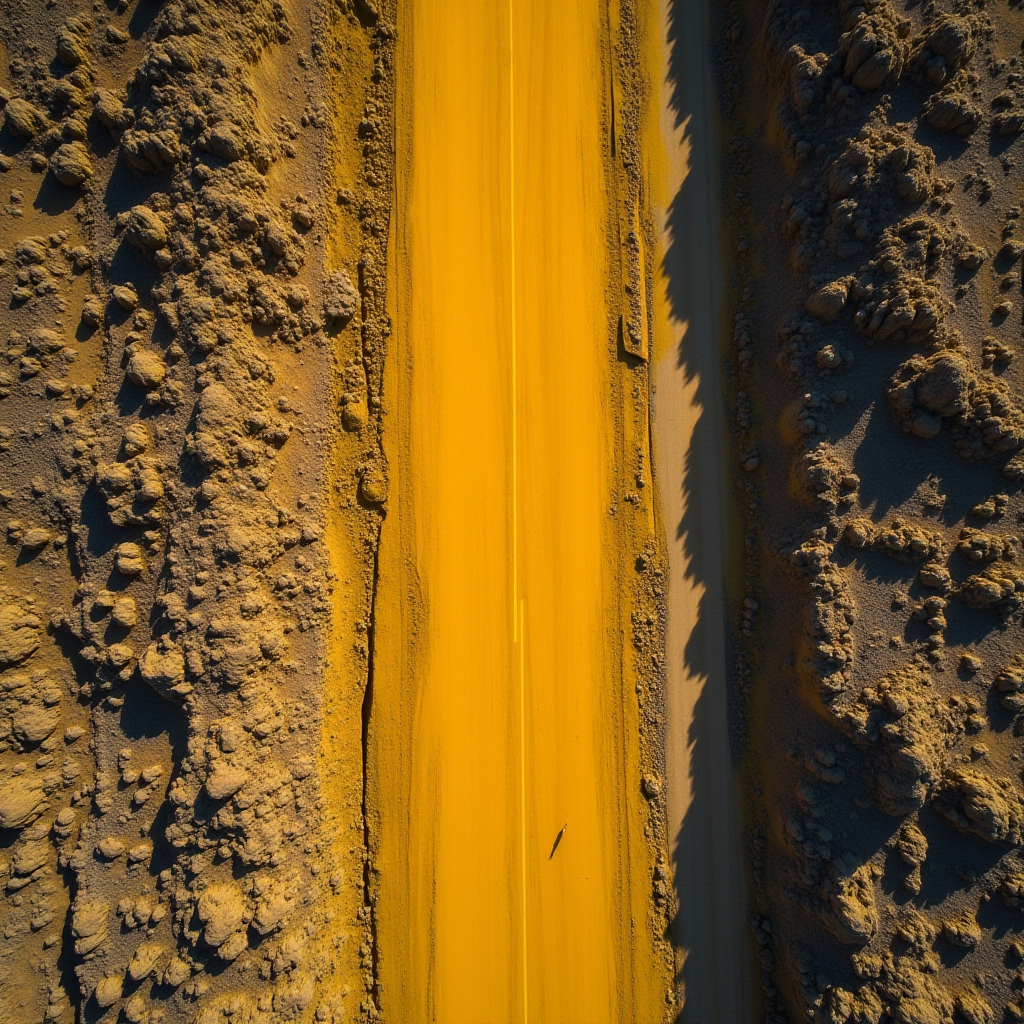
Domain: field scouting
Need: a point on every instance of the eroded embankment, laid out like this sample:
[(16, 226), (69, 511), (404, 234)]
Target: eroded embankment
[(881, 423), (193, 236), (519, 834)]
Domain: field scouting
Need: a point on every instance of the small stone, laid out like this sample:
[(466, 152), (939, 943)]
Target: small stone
[(143, 963), (71, 165), (125, 296), (225, 780), (146, 369), (110, 848), (109, 990), (129, 560), (36, 538)]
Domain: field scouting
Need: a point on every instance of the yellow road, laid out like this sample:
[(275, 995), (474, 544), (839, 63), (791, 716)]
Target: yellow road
[(498, 692)]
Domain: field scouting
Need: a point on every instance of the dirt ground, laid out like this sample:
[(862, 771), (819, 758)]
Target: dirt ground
[(873, 196)]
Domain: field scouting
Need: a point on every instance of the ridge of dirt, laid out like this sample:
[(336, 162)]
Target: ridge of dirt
[(182, 278), (878, 421)]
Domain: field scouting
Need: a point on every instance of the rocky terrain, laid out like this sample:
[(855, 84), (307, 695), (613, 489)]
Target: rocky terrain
[(876, 190), (191, 327)]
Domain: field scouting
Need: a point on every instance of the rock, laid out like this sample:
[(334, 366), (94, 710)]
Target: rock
[(125, 613), (1008, 122), (30, 857), (962, 931), (987, 806), (952, 112), (72, 42), (271, 910), (141, 853), (33, 724), (859, 533), (222, 911), (341, 300), (151, 152), (224, 140), (92, 311), (146, 229), (147, 370), (138, 439), (912, 845), (373, 485), (926, 425), (175, 973), (952, 39), (934, 575), (20, 634), (974, 1007), (110, 848), (128, 559), (854, 917), (907, 541), (943, 385), (109, 990), (111, 112), (71, 165), (225, 780), (144, 961), (996, 586), (828, 302), (125, 296), (22, 800), (113, 478), (23, 120), (297, 993), (36, 538), (233, 946), (163, 668), (89, 918)]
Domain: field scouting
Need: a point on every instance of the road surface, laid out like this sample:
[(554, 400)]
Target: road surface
[(500, 713)]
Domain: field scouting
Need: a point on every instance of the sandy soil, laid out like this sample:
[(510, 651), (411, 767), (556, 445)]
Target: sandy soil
[(691, 449), (193, 241), (874, 199)]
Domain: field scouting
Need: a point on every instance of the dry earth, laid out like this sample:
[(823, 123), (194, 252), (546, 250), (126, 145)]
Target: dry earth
[(874, 195)]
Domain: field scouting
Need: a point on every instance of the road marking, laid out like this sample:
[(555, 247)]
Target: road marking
[(518, 613)]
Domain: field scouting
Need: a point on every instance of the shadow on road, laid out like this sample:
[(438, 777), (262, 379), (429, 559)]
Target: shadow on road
[(710, 928)]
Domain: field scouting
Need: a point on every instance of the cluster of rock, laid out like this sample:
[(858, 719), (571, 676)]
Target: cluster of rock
[(161, 695)]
